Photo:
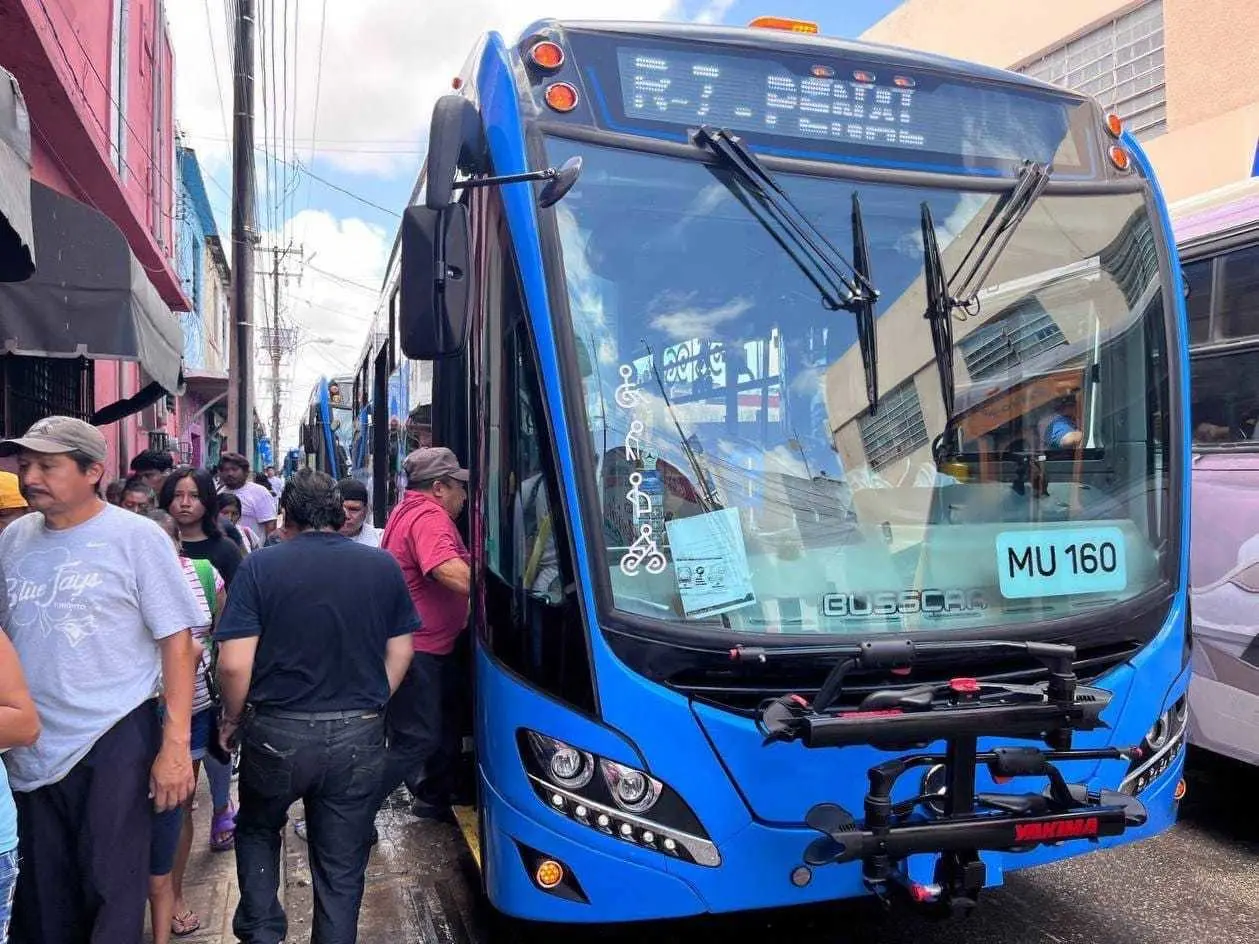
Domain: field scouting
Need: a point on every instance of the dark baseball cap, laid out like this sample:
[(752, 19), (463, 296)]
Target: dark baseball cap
[(432, 463), (57, 434)]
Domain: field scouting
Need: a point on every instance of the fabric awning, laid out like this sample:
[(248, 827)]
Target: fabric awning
[(17, 254), (89, 297)]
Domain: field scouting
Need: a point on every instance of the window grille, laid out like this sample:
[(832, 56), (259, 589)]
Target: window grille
[(1120, 63), (896, 430), (36, 387), (1009, 340)]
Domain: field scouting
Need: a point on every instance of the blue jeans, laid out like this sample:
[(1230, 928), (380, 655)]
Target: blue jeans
[(334, 767), (220, 777), (8, 882)]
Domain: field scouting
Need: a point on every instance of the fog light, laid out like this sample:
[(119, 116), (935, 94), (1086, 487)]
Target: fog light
[(549, 873)]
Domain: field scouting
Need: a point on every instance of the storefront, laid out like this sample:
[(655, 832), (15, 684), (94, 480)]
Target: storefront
[(89, 300)]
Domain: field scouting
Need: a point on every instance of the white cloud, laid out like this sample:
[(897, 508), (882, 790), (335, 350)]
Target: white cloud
[(714, 11), (384, 64), (683, 324), (332, 312)]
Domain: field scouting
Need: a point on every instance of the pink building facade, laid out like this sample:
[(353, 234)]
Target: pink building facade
[(97, 77)]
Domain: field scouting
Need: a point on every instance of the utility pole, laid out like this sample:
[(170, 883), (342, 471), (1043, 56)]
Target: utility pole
[(240, 397), (279, 341)]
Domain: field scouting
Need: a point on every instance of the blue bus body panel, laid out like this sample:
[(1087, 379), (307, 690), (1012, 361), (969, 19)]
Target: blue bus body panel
[(752, 805)]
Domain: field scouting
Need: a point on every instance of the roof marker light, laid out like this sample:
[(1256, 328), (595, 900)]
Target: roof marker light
[(547, 55), (561, 96), (1119, 157), (783, 23)]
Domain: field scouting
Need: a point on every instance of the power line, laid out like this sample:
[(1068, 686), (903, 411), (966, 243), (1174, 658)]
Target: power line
[(314, 128), (214, 62), (349, 193), (341, 278)]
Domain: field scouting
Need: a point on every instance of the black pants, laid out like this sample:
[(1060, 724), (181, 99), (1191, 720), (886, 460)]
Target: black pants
[(423, 736), (84, 843), (334, 767)]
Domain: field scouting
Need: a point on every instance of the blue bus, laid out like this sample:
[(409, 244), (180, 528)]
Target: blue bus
[(826, 409), (326, 430), (392, 397)]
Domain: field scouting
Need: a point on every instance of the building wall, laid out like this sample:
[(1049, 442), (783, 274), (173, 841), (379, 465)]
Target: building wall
[(1209, 48), (62, 53), (994, 32), (190, 263), (216, 307), (68, 77)]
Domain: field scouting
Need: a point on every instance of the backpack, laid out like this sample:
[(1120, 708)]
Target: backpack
[(205, 573)]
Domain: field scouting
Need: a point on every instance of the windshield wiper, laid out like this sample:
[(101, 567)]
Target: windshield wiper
[(996, 232), (863, 306), (819, 260), (939, 311), (959, 291)]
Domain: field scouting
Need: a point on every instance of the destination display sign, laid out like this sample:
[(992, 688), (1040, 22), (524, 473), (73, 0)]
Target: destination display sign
[(821, 103)]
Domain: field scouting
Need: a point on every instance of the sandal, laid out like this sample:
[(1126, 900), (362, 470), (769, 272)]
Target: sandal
[(223, 831), (185, 924)]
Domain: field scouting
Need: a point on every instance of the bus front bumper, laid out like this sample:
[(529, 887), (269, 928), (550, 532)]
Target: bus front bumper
[(762, 866)]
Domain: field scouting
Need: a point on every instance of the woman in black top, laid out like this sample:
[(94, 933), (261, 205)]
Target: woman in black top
[(188, 496)]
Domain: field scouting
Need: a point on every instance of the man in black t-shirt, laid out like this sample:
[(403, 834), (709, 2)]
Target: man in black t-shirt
[(315, 637)]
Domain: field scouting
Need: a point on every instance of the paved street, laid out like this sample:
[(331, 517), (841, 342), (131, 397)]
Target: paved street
[(1199, 882)]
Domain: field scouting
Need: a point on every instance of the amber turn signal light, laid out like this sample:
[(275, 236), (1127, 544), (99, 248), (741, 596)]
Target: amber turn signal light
[(547, 55), (561, 96), (548, 874)]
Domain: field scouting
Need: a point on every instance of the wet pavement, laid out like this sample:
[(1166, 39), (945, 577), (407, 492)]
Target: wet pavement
[(1200, 881)]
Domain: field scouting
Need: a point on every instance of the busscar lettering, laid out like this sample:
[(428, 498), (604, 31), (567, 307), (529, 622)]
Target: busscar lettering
[(896, 603), (1082, 828)]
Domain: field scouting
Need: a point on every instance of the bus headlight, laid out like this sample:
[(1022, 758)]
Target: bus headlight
[(623, 802), (565, 765), (632, 789), (1163, 743)]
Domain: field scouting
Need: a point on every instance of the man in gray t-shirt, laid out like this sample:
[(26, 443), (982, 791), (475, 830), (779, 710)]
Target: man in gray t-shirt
[(99, 610)]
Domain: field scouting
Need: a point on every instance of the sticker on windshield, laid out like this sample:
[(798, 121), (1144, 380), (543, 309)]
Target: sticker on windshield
[(710, 563), (1059, 563)]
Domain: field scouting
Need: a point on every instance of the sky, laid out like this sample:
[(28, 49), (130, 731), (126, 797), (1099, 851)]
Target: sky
[(344, 92)]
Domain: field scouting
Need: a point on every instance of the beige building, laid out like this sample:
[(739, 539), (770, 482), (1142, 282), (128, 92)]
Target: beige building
[(1180, 72)]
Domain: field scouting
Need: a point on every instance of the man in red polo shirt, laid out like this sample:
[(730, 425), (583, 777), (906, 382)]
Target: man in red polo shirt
[(421, 535)]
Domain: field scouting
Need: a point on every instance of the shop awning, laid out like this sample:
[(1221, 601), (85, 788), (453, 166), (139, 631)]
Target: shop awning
[(17, 254), (90, 297)]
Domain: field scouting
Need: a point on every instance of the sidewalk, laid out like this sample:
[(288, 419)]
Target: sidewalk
[(210, 883), (421, 883)]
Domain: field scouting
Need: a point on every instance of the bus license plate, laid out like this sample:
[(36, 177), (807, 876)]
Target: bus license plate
[(1059, 563)]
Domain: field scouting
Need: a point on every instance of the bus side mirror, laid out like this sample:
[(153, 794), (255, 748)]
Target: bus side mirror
[(456, 139), (433, 310)]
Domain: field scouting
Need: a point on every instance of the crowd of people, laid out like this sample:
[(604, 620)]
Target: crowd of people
[(182, 619)]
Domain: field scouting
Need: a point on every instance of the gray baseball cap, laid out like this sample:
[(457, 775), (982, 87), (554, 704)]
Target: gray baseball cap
[(54, 434), (432, 463)]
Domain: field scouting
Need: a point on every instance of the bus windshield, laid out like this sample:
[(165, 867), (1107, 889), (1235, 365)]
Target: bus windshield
[(743, 480)]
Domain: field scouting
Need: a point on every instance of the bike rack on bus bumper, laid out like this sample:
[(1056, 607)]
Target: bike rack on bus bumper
[(958, 822)]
